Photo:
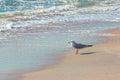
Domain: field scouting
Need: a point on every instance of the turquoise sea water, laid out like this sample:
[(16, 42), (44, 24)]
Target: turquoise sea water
[(33, 32), (13, 5)]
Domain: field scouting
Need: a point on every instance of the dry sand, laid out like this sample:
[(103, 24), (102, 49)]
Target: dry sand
[(100, 62)]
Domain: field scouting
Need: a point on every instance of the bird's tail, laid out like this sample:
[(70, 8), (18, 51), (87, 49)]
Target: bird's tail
[(89, 45)]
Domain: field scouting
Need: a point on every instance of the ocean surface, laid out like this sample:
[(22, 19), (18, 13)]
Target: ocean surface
[(34, 32)]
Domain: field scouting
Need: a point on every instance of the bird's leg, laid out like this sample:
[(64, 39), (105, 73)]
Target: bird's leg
[(76, 51)]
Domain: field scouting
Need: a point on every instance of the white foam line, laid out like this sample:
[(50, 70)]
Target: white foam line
[(107, 34)]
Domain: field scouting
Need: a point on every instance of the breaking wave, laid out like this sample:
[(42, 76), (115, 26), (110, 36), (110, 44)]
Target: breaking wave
[(29, 13)]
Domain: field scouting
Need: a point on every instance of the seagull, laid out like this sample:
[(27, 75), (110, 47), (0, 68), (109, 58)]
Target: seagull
[(78, 46)]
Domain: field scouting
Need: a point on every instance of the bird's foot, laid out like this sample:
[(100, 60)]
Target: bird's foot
[(76, 52)]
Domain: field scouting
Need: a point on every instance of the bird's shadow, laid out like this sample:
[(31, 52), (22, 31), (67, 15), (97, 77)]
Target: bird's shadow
[(87, 53)]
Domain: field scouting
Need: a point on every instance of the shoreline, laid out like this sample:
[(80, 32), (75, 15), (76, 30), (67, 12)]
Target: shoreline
[(99, 62)]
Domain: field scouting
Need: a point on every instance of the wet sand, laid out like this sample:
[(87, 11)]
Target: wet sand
[(100, 62)]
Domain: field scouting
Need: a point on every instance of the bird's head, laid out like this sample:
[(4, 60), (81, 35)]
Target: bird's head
[(71, 42)]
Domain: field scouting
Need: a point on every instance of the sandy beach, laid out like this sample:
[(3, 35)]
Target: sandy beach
[(100, 62)]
